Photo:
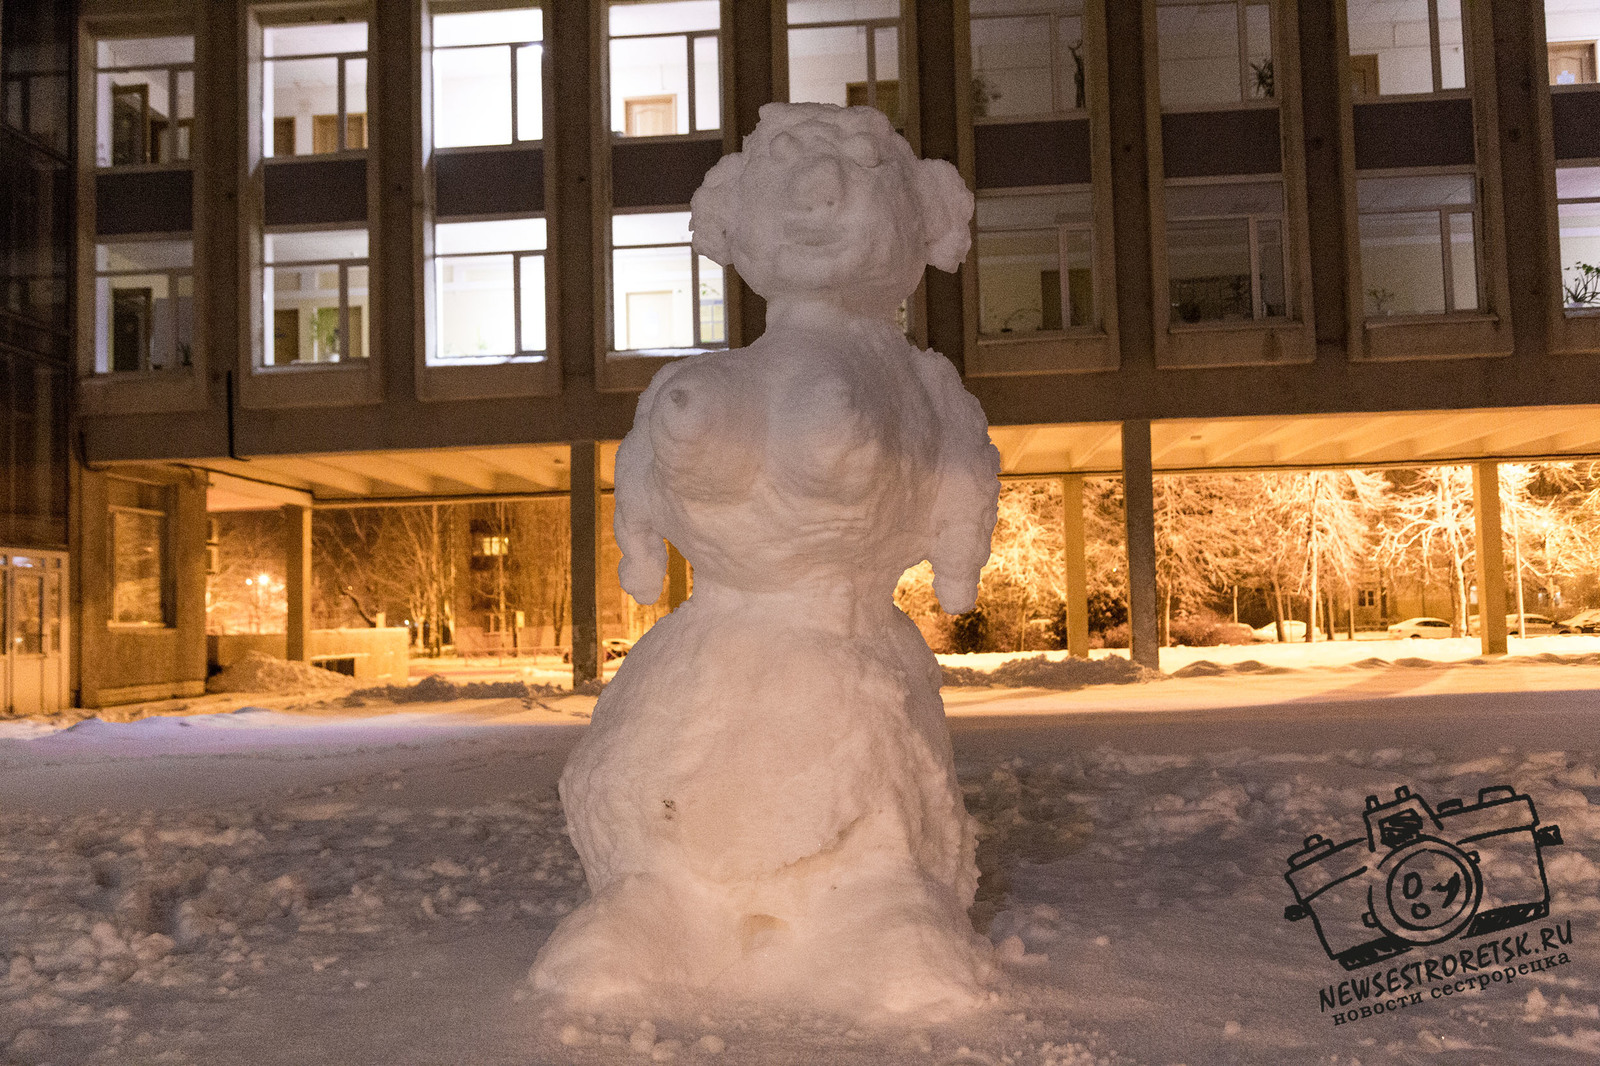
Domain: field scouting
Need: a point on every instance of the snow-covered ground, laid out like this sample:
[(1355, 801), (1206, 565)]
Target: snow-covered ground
[(368, 885)]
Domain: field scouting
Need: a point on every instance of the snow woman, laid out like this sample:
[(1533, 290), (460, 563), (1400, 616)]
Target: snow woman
[(765, 804)]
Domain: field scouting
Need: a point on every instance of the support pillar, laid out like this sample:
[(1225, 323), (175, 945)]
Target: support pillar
[(1077, 570), (297, 580), (585, 543), (677, 578), (1139, 495), (1491, 557)]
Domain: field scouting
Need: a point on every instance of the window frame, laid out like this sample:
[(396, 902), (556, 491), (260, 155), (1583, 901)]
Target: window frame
[(437, 361), (516, 75), (689, 38), (1435, 57), (903, 25), (1445, 212), (1245, 101), (344, 267), (177, 365), (695, 310), (173, 69), (1057, 50), (342, 114), (1569, 311), (167, 578), (1086, 227), (1258, 315)]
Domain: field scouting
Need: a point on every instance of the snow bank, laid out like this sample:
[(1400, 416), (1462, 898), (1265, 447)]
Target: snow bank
[(435, 688), (256, 672), (1041, 671)]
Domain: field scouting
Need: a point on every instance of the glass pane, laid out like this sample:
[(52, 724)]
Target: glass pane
[(1270, 280), (183, 308), (1209, 270), (1577, 183), (671, 227), (1078, 250), (533, 303), (1389, 47), (707, 85), (27, 625), (323, 245), (1571, 28), (886, 59), (1452, 56), (653, 308), (713, 305), (1580, 254), (489, 27), (1198, 47), (138, 119), (183, 133), (471, 96), (823, 62), (650, 86), (355, 102), (1402, 264), (130, 315), (674, 16), (530, 93), (1260, 77), (1463, 263), (302, 314), (1011, 72), (304, 109), (136, 565), (838, 10), (314, 40), (358, 296), (140, 51), (505, 235), (1228, 198), (1399, 194), (1019, 281), (144, 255), (476, 317), (1033, 212)]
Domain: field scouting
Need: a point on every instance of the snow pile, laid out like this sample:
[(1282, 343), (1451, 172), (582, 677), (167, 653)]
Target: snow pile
[(258, 672), (765, 805), (435, 688), (1040, 671)]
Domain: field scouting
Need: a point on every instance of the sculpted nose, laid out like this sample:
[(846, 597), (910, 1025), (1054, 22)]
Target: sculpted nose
[(817, 185)]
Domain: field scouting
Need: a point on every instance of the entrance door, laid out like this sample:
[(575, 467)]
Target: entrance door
[(34, 628)]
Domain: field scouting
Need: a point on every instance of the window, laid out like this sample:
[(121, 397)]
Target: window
[(1034, 256), (1578, 205), (1214, 54), (1418, 244), (1405, 46), (36, 72), (143, 306), (1027, 57), (315, 289), (140, 595), (664, 73), (1226, 252), (1366, 597), (846, 52), (314, 89), (490, 284), (488, 80), (144, 101), (664, 296), (1571, 28)]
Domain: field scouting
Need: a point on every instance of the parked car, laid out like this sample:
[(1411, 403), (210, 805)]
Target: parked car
[(610, 648), (1538, 625), (1293, 630), (1420, 628), (1584, 621)]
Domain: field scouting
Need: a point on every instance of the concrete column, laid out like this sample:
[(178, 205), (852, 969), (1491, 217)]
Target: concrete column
[(748, 55), (399, 93), (1077, 570), (572, 35), (677, 578), (1491, 557), (938, 132), (585, 516), (1139, 495), (297, 578)]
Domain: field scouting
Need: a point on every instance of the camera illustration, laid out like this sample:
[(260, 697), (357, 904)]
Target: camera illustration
[(1422, 876)]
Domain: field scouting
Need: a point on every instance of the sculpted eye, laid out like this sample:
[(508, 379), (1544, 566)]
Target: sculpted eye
[(786, 147), (862, 149)]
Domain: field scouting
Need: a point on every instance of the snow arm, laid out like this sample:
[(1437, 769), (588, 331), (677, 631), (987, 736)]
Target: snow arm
[(967, 503), (644, 551)]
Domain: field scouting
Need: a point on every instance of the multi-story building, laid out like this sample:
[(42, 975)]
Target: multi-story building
[(404, 250)]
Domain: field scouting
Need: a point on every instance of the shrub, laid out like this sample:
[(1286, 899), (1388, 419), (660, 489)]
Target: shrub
[(1111, 637), (969, 631)]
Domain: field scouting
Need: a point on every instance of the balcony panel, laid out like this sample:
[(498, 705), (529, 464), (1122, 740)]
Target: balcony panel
[(1414, 133), (1576, 118), (144, 201), (315, 192), (660, 173), (1208, 144), (499, 181), (1015, 155)]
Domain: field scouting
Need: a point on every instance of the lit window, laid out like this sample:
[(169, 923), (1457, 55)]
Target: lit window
[(488, 77), (1418, 245), (314, 89), (666, 297), (1225, 251), (1214, 54), (846, 52), (1405, 46), (144, 101), (143, 306), (1035, 260), (490, 284), (316, 294), (1367, 598), (494, 544), (1578, 196), (1571, 28), (140, 593), (664, 68), (1027, 57)]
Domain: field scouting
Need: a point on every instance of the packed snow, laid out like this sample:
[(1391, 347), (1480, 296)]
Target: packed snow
[(265, 887), (257, 672), (766, 806)]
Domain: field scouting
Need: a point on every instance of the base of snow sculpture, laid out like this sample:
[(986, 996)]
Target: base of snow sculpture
[(766, 804)]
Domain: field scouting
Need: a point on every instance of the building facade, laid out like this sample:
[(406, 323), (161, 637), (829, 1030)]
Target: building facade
[(409, 251)]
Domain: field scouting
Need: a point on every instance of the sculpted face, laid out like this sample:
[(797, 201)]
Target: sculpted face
[(828, 203)]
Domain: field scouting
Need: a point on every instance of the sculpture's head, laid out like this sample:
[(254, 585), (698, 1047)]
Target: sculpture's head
[(828, 203)]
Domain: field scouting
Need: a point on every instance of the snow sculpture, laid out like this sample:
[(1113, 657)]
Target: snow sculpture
[(765, 803)]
